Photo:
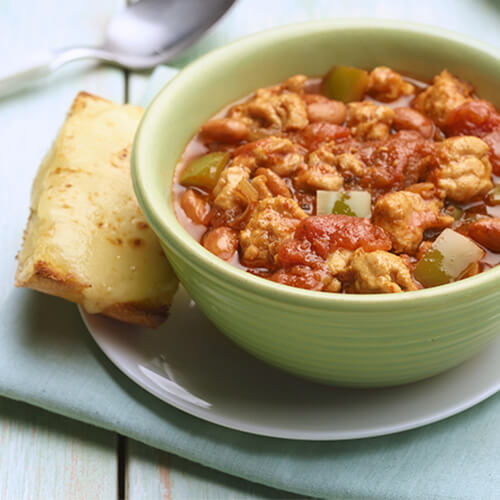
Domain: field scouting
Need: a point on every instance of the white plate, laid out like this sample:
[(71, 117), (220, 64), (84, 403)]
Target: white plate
[(190, 365)]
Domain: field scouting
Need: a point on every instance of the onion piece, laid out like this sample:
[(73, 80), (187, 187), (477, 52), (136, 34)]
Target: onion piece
[(354, 203), (448, 259), (246, 192), (494, 196)]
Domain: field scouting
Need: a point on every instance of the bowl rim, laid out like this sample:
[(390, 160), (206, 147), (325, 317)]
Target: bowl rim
[(177, 237)]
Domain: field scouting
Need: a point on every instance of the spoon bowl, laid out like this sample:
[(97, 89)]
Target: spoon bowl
[(151, 32), (139, 37)]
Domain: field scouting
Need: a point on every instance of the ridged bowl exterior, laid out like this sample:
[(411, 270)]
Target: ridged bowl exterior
[(366, 341)]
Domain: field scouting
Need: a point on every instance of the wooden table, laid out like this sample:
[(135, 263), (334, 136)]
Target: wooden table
[(48, 457), (44, 456)]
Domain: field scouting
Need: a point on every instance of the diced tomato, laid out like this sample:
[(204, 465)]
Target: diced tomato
[(400, 161), (329, 232), (294, 252), (475, 117)]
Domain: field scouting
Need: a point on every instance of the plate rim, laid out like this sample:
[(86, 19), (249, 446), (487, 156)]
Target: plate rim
[(259, 430)]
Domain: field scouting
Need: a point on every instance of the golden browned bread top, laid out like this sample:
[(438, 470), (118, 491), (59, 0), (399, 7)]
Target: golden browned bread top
[(86, 239)]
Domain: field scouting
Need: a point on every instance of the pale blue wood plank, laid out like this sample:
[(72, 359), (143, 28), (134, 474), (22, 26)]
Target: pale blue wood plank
[(42, 455), (476, 18), (45, 456), (154, 475)]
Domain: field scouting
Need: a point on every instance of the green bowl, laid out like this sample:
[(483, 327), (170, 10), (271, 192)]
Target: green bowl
[(351, 340)]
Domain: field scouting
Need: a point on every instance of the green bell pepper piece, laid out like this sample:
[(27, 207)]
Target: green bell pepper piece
[(345, 83), (203, 172), (429, 270)]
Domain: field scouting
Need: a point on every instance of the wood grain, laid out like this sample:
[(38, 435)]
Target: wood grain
[(155, 475), (45, 456)]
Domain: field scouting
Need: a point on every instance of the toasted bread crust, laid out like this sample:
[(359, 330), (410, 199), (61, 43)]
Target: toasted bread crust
[(86, 240), (48, 280), (139, 314)]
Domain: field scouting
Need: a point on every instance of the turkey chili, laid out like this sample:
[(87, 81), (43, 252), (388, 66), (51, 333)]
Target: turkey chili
[(357, 182)]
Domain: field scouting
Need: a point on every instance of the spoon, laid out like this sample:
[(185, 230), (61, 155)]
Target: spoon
[(141, 36)]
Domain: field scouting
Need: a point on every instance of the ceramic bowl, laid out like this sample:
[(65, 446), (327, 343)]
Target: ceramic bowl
[(352, 340)]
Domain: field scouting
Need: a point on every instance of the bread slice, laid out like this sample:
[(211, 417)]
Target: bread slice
[(86, 239)]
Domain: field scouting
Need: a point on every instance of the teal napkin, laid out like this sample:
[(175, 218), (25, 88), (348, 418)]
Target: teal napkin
[(48, 359)]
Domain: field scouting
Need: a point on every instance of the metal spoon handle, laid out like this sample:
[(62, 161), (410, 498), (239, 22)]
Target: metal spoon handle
[(43, 64), (29, 75)]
